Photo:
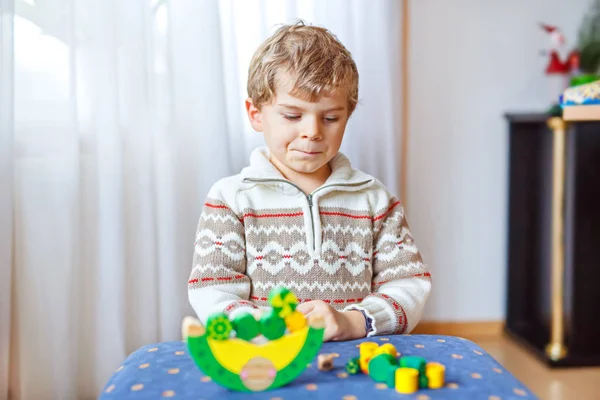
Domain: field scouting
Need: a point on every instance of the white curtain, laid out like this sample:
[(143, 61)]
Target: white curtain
[(115, 119)]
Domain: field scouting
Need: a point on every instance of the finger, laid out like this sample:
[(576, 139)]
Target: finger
[(306, 308)]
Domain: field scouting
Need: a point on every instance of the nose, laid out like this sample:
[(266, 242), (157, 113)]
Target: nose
[(311, 129)]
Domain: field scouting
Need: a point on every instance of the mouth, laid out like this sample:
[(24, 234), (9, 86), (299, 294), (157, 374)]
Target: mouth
[(309, 152)]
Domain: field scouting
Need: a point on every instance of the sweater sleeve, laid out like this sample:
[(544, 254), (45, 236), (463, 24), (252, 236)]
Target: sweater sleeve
[(401, 283), (218, 282)]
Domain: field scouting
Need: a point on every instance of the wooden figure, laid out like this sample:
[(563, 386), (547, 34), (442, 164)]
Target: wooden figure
[(325, 361)]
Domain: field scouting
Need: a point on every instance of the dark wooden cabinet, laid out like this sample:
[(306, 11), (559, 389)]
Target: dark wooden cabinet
[(529, 295)]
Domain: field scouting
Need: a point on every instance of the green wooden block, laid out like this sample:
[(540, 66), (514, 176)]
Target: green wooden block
[(423, 381), (283, 301), (390, 379), (352, 366), (246, 326), (418, 363), (380, 366), (272, 326), (218, 326)]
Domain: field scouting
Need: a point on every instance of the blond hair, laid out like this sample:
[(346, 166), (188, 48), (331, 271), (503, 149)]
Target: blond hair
[(316, 60)]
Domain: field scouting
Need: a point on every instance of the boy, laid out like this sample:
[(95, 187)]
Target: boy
[(299, 215)]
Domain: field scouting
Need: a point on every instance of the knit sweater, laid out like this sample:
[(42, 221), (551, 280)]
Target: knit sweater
[(346, 243)]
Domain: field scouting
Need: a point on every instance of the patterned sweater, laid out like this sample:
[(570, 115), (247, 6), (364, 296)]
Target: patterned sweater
[(347, 243)]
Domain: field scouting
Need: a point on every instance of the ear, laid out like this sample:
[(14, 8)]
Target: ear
[(254, 115)]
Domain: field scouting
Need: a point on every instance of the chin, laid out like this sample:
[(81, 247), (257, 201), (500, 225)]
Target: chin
[(301, 167)]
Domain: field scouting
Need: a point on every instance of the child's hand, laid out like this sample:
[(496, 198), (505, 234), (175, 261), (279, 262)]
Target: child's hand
[(339, 326)]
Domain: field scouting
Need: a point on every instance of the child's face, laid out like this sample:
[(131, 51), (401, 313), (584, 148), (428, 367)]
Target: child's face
[(301, 136)]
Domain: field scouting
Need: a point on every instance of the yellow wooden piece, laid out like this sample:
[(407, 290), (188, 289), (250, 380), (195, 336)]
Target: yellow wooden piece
[(367, 348), (367, 351), (387, 348), (295, 321), (407, 380), (435, 373), (232, 354)]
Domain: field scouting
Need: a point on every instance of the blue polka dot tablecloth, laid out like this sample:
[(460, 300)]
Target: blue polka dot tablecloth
[(165, 370)]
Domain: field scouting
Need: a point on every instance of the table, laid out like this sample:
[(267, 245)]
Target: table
[(165, 370)]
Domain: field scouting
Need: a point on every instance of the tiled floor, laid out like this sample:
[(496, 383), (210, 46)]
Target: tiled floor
[(548, 384)]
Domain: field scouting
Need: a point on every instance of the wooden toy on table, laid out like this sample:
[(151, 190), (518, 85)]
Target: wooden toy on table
[(233, 361), (404, 373), (325, 361)]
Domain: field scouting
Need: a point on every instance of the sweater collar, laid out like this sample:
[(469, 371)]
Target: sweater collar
[(342, 173)]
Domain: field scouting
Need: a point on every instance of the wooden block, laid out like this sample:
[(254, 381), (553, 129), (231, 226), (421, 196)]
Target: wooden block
[(352, 366), (272, 326), (283, 301), (435, 372), (381, 366), (218, 326), (387, 348), (325, 362), (246, 326), (407, 380), (295, 321)]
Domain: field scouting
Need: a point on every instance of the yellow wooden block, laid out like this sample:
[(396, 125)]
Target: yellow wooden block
[(435, 373), (295, 321), (367, 351), (407, 380), (387, 348), (367, 348)]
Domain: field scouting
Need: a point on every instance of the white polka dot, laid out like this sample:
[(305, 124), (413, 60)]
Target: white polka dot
[(137, 387)]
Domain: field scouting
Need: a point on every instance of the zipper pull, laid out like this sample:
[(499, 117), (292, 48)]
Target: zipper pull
[(309, 197)]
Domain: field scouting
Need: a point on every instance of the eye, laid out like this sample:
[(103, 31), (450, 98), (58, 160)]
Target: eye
[(291, 117), (331, 119)]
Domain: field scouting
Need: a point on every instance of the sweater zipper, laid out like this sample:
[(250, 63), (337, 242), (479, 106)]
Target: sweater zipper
[(312, 221), (309, 198)]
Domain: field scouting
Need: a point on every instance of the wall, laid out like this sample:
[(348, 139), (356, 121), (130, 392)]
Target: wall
[(471, 61)]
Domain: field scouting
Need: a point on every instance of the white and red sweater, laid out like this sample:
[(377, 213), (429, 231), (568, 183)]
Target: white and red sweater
[(347, 243)]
